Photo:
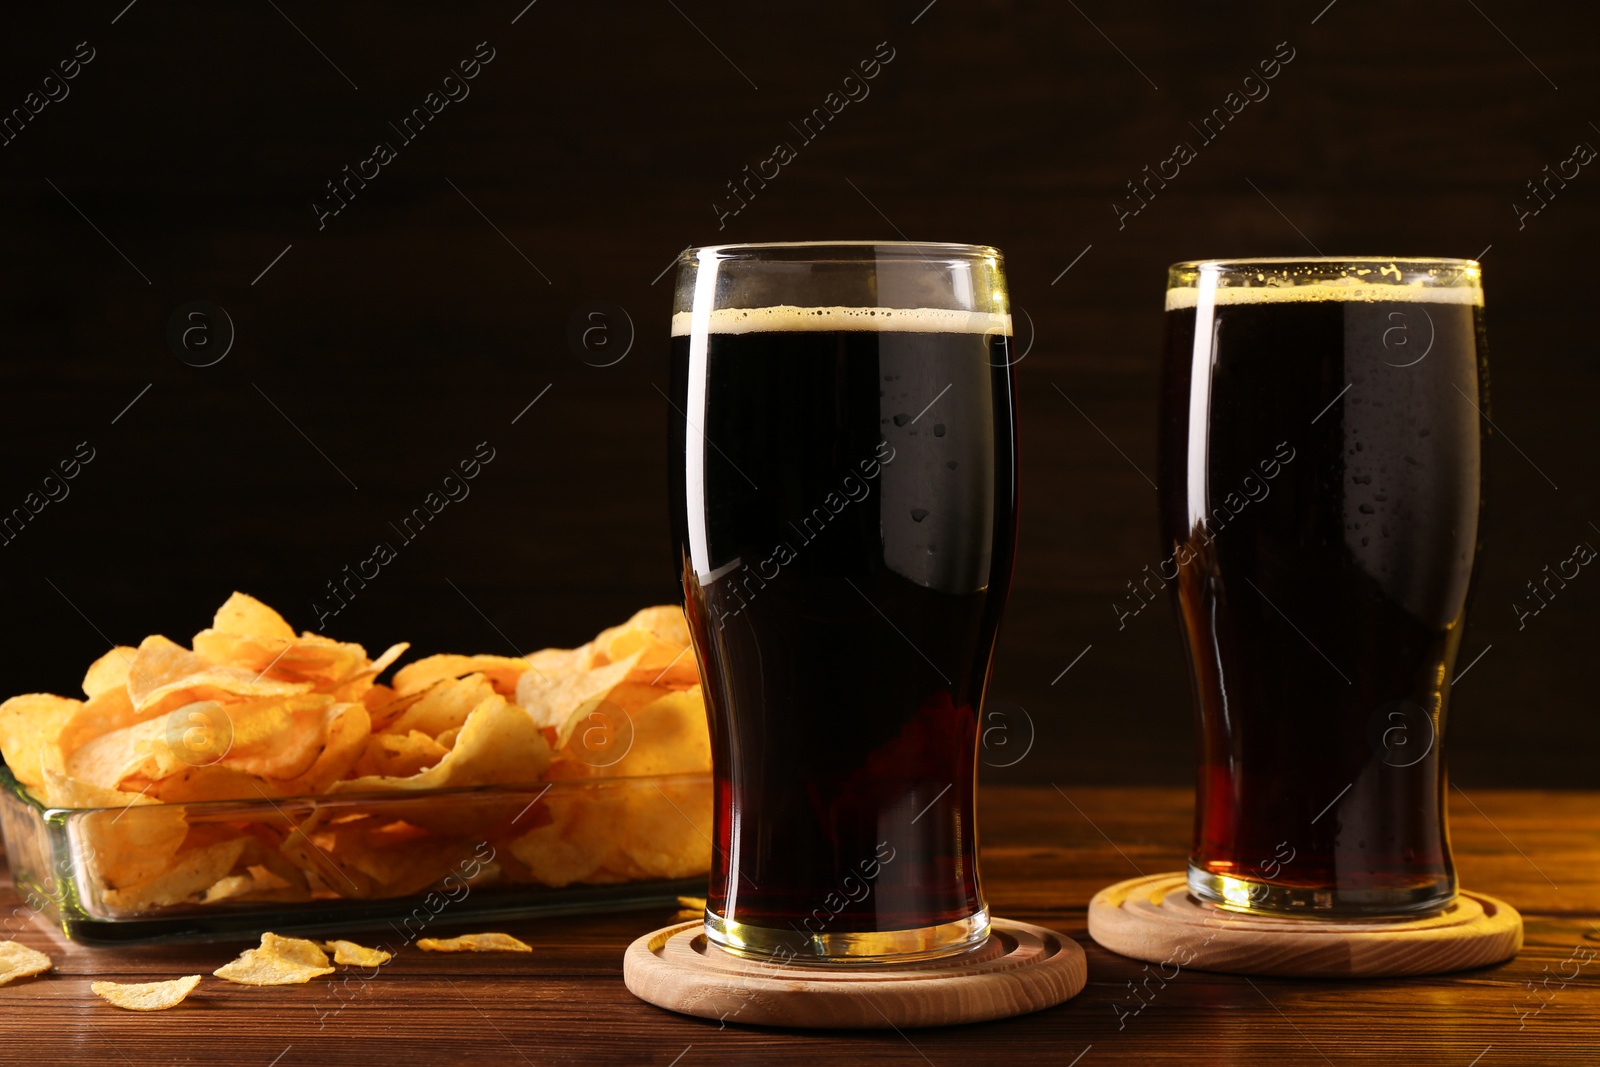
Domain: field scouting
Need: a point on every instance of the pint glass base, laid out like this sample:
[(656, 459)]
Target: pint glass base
[(880, 946), (1253, 897)]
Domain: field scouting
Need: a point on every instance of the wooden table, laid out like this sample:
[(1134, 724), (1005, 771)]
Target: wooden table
[(1044, 853)]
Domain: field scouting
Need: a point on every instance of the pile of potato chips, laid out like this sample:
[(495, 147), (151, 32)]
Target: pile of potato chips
[(339, 775)]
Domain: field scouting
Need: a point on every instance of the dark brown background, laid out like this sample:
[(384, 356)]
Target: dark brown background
[(409, 330)]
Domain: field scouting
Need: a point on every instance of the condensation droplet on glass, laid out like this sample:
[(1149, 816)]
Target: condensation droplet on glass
[(901, 419), (918, 514), (938, 429)]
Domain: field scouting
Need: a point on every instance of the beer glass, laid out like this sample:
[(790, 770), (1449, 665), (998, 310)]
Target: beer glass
[(844, 494), (1320, 469)]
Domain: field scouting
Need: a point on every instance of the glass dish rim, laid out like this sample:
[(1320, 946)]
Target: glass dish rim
[(10, 784), (905, 248)]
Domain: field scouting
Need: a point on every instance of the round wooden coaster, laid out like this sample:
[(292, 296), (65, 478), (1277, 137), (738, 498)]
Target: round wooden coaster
[(1154, 919), (1021, 968)]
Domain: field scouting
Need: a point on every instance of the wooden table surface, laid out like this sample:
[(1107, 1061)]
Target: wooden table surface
[(1044, 853)]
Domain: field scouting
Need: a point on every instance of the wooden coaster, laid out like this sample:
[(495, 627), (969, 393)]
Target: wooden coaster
[(1154, 919), (1020, 969)]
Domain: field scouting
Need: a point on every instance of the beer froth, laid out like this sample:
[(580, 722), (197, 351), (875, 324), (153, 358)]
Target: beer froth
[(786, 318), (1353, 291)]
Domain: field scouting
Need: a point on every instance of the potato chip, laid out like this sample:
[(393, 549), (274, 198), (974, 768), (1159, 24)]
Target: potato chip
[(667, 735), (277, 737), (345, 731), (397, 857), (670, 736), (107, 711), (212, 782), (246, 616), (379, 697), (165, 675), (272, 737), (664, 833), (358, 685), (342, 734), (20, 961), (499, 744), (384, 707), (122, 846), (323, 658), (247, 633), (263, 872), (311, 658), (263, 857), (138, 750), (552, 698), (277, 961), (660, 637), (325, 874), (614, 834), (190, 872), (473, 943), (575, 842), (229, 887), (29, 726), (108, 672), (350, 954), (502, 672), (388, 657), (399, 756), (554, 860), (561, 660), (146, 996), (443, 706)]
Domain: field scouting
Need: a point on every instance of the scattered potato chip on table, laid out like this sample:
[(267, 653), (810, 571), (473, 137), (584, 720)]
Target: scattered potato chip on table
[(350, 954), (277, 961), (20, 961), (474, 943), (146, 996)]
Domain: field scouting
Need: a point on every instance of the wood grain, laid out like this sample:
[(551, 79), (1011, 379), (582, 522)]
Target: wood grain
[(1044, 855), (1154, 919), (1021, 969)]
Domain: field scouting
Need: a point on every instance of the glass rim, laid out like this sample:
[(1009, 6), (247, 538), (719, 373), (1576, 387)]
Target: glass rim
[(1280, 261), (850, 250), (1360, 278), (1438, 271)]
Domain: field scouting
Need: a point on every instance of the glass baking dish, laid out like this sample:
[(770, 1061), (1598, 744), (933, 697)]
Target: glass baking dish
[(407, 860)]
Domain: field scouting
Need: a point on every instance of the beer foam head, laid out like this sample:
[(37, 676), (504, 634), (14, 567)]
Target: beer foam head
[(1270, 281), (786, 318)]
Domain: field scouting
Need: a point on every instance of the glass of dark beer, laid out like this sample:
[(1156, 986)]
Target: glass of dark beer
[(845, 513), (1320, 485)]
